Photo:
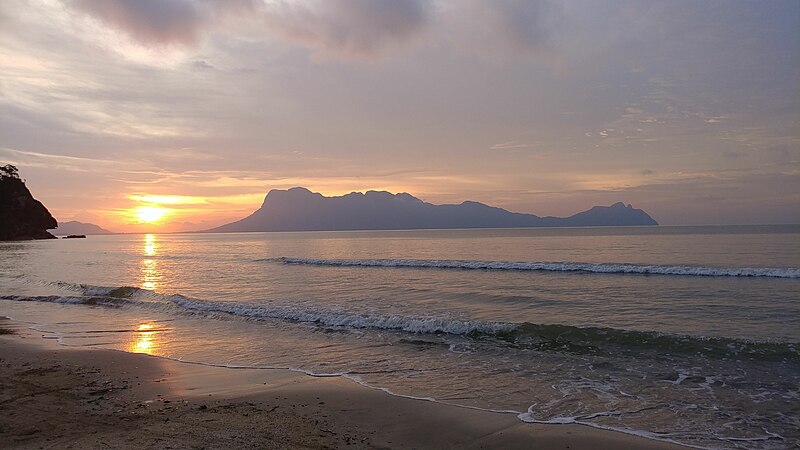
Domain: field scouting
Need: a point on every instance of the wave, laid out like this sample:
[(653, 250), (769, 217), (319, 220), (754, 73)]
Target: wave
[(603, 340), (607, 268), (71, 300), (423, 325), (555, 338), (127, 295)]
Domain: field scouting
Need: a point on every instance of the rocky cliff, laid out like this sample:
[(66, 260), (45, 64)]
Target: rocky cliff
[(22, 217)]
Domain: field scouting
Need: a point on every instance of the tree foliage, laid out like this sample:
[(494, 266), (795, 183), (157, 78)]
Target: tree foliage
[(9, 171)]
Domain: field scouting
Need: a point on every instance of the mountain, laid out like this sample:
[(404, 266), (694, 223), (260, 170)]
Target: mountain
[(22, 217), (299, 209), (73, 227)]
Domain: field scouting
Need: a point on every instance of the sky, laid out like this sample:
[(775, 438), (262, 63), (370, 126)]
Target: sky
[(176, 115)]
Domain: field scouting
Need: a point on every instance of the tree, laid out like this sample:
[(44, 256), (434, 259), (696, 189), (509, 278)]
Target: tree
[(9, 171)]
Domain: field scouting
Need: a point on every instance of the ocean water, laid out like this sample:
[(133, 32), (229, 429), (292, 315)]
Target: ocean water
[(685, 334)]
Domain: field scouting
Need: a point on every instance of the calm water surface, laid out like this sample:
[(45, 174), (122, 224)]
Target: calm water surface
[(687, 334)]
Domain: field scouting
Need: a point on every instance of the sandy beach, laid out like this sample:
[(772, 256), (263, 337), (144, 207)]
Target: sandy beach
[(58, 397)]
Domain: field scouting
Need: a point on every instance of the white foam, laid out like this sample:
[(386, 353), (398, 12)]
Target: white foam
[(334, 319), (97, 290), (618, 268), (298, 314), (584, 420)]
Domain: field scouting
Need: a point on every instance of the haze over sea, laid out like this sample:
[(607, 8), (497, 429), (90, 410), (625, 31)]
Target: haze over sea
[(687, 334)]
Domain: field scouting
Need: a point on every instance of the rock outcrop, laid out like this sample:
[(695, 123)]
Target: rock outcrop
[(22, 217)]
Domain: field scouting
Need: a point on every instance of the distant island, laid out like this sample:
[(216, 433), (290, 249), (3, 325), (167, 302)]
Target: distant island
[(22, 217), (76, 228), (298, 209)]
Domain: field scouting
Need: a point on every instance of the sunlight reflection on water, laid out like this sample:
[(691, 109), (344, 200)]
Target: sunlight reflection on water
[(149, 266), (145, 340)]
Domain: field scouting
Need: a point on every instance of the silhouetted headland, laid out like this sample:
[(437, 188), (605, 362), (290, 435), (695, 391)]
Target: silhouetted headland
[(299, 209), (22, 217)]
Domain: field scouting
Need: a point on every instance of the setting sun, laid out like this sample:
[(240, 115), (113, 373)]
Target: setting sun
[(150, 214)]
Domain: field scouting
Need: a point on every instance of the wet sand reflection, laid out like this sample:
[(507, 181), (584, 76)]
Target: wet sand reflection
[(146, 339)]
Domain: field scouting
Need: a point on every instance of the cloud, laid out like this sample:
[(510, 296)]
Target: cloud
[(149, 22), (343, 28), (349, 28), (503, 26), (169, 199), (163, 22), (5, 20), (733, 154), (201, 64), (54, 161), (508, 145)]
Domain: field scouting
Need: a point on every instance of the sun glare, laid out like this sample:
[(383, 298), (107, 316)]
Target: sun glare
[(150, 214)]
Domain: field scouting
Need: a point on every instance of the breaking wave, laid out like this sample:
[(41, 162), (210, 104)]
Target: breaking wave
[(540, 337), (606, 268)]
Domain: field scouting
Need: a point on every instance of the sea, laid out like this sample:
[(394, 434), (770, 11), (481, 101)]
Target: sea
[(682, 334)]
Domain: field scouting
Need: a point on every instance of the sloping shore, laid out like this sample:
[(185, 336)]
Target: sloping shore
[(60, 397)]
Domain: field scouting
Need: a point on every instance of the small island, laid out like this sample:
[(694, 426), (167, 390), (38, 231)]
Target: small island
[(74, 227), (22, 217)]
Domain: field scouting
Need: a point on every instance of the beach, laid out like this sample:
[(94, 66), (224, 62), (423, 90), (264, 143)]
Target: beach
[(59, 397), (410, 339), (399, 224)]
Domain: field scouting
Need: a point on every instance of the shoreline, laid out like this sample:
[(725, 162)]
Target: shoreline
[(57, 396)]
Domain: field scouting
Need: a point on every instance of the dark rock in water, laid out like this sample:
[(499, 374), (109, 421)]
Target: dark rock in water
[(75, 236), (299, 209), (22, 217)]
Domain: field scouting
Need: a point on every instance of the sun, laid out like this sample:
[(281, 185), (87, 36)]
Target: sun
[(150, 214)]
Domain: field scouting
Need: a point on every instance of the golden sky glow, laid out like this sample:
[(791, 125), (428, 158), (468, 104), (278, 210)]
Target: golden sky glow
[(169, 199), (145, 213), (150, 214)]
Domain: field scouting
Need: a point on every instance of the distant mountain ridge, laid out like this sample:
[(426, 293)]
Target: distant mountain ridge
[(298, 209), (75, 227)]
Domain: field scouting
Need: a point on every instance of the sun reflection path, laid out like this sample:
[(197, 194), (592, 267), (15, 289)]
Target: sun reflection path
[(149, 266), (150, 246), (146, 339)]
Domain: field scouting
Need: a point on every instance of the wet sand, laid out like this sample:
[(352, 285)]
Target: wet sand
[(53, 396)]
